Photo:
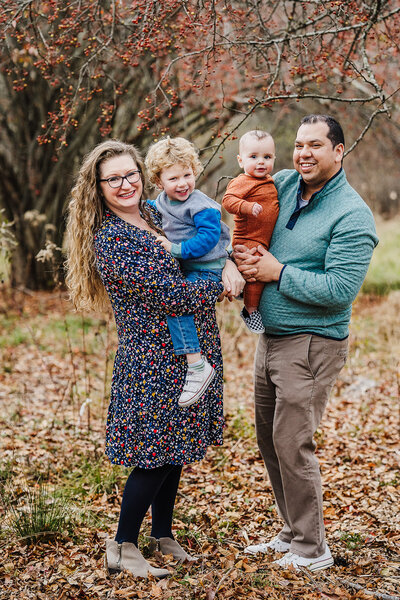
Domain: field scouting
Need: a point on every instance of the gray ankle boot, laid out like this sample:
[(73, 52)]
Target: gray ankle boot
[(127, 556), (167, 545), (112, 558)]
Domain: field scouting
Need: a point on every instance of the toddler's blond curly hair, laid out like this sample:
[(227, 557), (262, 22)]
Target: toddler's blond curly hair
[(168, 152)]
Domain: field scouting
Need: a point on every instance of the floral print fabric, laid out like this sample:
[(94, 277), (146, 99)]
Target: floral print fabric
[(145, 426)]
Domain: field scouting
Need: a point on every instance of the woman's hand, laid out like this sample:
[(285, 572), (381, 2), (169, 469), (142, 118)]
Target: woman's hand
[(232, 280), (166, 244)]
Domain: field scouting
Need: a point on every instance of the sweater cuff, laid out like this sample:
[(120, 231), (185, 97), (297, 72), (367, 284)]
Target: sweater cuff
[(246, 207), (280, 276), (176, 250)]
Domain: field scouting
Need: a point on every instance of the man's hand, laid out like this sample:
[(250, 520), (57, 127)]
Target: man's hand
[(256, 209), (245, 259), (232, 280), (166, 244), (257, 268)]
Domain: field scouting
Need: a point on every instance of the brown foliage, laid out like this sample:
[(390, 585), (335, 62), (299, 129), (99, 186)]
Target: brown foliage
[(226, 53), (225, 501)]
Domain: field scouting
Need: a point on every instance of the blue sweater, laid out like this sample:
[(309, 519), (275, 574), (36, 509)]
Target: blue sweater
[(326, 247), (199, 237)]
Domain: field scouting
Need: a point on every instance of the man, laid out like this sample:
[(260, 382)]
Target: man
[(319, 255)]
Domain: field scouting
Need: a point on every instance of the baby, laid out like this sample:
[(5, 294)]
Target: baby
[(196, 236), (253, 199)]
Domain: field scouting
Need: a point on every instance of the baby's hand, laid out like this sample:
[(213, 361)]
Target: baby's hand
[(256, 209), (166, 244)]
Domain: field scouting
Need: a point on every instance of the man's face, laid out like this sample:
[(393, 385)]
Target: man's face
[(314, 156)]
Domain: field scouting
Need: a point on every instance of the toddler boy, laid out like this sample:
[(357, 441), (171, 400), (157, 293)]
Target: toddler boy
[(195, 234)]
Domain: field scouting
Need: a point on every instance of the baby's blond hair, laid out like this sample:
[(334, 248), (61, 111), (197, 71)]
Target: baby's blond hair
[(255, 133), (169, 152)]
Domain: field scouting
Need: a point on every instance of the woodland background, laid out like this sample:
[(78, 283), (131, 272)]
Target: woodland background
[(75, 71)]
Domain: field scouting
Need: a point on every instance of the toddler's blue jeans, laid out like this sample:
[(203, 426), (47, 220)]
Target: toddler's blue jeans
[(183, 329)]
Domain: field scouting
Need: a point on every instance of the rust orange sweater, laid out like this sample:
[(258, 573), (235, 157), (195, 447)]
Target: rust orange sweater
[(241, 193)]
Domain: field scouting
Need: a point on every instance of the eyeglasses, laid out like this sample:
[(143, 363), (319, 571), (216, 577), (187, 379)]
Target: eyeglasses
[(117, 181)]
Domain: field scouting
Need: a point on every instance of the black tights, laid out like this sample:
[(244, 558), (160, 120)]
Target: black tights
[(144, 487)]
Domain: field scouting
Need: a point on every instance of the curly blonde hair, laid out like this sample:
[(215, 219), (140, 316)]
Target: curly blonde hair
[(85, 215), (169, 152)]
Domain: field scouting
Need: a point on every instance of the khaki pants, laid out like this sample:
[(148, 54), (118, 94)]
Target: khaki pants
[(294, 376)]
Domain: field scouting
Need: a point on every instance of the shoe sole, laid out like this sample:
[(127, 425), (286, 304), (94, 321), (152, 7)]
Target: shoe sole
[(109, 570), (201, 391), (162, 576), (325, 564), (318, 565), (267, 550)]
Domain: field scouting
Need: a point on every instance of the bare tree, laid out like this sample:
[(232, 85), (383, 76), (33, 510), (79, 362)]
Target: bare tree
[(76, 70)]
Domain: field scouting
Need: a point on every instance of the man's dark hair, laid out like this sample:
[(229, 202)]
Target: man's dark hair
[(335, 133)]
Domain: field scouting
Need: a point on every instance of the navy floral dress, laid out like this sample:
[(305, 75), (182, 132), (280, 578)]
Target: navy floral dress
[(145, 426)]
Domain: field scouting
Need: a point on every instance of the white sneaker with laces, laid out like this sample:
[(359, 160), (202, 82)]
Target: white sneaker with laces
[(274, 545), (253, 320), (313, 564), (196, 384)]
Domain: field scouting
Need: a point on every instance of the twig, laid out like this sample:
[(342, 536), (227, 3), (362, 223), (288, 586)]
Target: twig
[(223, 579), (218, 182), (307, 573), (366, 128), (25, 291), (358, 587)]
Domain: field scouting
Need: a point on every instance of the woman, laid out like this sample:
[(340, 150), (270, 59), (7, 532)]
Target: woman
[(113, 252)]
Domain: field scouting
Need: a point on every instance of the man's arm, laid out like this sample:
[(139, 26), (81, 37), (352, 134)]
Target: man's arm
[(346, 264)]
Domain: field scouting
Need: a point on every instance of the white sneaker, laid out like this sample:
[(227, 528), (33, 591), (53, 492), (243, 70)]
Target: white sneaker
[(253, 320), (274, 545), (196, 384), (313, 564)]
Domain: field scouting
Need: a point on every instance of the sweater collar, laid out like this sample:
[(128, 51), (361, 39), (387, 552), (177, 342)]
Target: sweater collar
[(296, 213), (164, 198), (302, 184)]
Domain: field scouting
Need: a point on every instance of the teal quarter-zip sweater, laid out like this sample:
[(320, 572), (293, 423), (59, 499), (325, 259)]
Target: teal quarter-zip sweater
[(326, 248)]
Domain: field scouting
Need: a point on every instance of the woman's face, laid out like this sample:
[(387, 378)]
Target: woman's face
[(120, 171)]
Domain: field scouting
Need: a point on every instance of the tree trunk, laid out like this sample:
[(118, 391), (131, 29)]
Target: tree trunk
[(26, 270)]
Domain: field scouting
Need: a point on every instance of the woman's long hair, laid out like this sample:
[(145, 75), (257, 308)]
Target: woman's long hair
[(85, 214)]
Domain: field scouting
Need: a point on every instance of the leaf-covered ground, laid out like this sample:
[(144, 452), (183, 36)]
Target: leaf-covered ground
[(55, 370)]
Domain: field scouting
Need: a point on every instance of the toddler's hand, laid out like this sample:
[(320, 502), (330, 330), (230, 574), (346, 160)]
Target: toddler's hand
[(166, 244), (256, 209)]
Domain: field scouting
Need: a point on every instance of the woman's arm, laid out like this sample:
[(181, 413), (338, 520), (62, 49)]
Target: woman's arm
[(145, 270)]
